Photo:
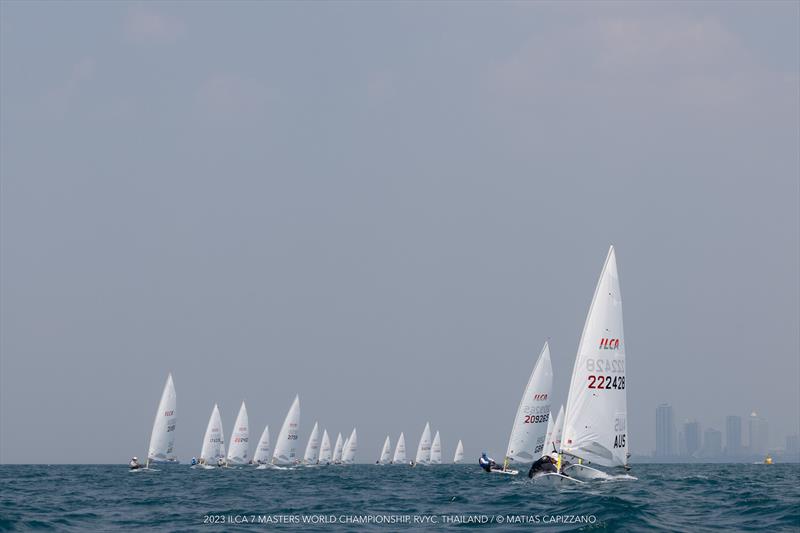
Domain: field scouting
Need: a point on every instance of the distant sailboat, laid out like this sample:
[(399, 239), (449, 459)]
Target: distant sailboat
[(595, 418), (239, 448), (526, 443), (555, 438), (162, 438), (459, 456), (325, 451), (261, 457), (386, 452), (213, 451), (436, 450), (311, 456), (286, 444), (349, 451), (400, 451), (424, 447), (337, 450)]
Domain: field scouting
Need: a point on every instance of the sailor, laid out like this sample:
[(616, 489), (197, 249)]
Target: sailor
[(194, 461), (543, 464), (134, 464), (220, 462), (486, 462)]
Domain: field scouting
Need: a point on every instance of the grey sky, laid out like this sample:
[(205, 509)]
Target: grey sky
[(375, 204)]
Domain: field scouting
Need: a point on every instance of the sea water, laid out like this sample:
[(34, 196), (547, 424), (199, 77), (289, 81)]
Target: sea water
[(732, 497)]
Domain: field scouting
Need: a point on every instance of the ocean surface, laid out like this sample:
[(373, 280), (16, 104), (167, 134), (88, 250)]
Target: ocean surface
[(395, 498)]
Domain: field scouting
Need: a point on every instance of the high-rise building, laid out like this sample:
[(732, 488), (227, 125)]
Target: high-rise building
[(665, 431), (691, 438), (758, 433), (793, 446), (712, 443), (733, 436)]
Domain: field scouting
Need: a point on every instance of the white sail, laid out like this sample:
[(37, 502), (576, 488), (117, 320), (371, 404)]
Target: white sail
[(400, 450), (214, 440), (558, 431), (436, 450), (325, 451), (262, 450), (337, 449), (548, 435), (424, 446), (162, 438), (239, 448), (526, 443), (459, 456), (349, 451), (595, 418), (312, 448), (386, 451), (344, 447), (286, 444)]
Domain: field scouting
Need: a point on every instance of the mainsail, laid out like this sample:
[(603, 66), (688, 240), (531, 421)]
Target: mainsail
[(214, 440), (337, 449), (262, 450), (459, 456), (595, 418), (386, 451), (400, 450), (162, 438), (349, 451), (286, 444), (526, 442), (239, 448), (325, 452), (436, 450), (424, 447), (312, 448)]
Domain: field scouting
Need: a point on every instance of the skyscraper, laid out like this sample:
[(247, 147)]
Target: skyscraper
[(712, 443), (665, 431), (691, 438), (758, 431), (733, 436)]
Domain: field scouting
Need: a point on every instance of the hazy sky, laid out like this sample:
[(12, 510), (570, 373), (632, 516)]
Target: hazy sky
[(388, 208)]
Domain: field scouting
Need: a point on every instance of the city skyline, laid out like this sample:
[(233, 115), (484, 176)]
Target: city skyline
[(742, 441)]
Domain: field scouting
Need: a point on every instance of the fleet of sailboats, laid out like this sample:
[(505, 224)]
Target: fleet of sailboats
[(587, 439)]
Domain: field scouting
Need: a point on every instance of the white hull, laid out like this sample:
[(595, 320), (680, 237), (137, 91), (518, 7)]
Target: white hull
[(584, 473), (507, 472), (556, 479)]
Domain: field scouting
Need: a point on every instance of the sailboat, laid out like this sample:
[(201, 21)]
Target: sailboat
[(311, 457), (399, 457), (349, 450), (458, 458), (240, 447), (325, 451), (595, 418), (337, 450), (162, 438), (285, 453), (436, 450), (261, 457), (386, 452), (424, 447), (526, 442), (213, 451)]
